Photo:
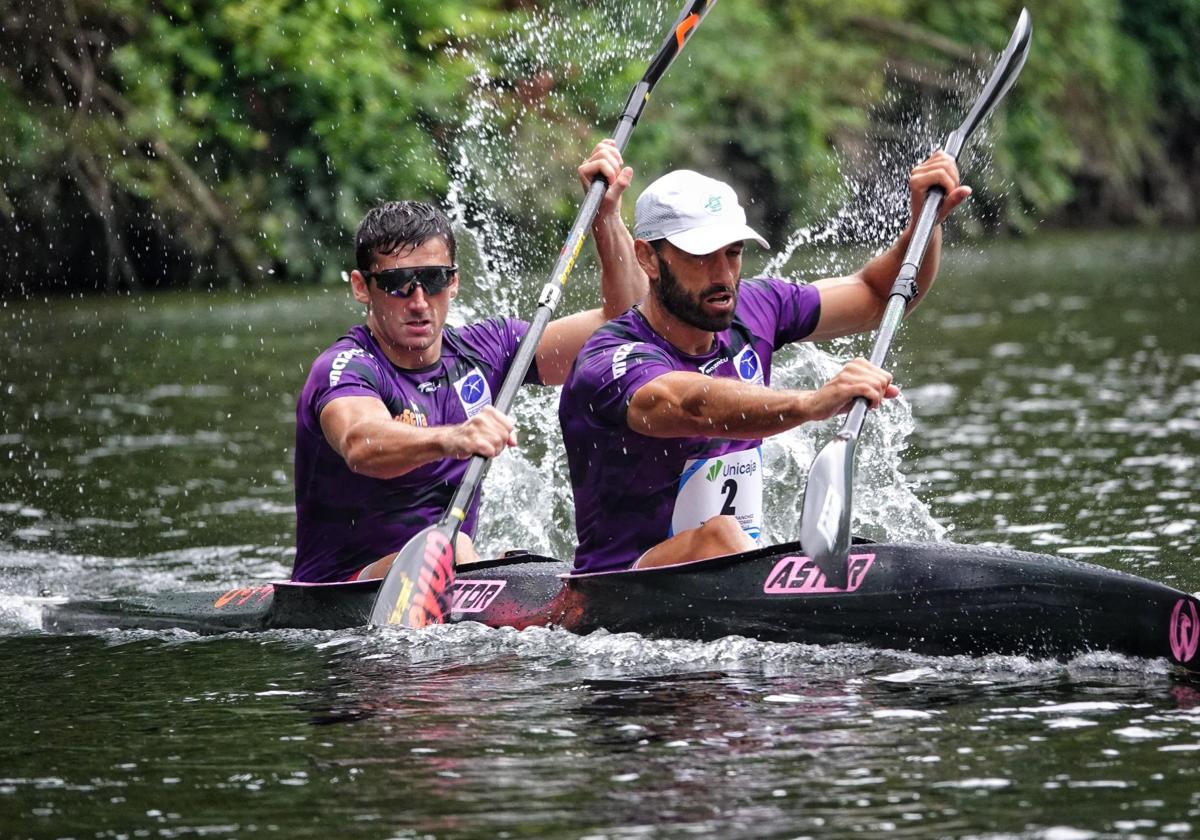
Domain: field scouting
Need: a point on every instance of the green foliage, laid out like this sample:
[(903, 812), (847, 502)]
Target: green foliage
[(1169, 32), (185, 141), (240, 139), (1077, 131)]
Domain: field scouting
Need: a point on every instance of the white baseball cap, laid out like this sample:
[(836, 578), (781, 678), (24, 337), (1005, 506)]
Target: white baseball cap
[(693, 212)]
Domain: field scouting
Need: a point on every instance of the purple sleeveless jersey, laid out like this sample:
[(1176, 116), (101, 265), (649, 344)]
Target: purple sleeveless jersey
[(627, 486), (344, 520)]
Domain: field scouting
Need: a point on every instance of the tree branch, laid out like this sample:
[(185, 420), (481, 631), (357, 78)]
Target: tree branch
[(918, 35), (244, 255)]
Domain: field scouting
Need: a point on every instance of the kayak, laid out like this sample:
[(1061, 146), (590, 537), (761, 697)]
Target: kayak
[(932, 598)]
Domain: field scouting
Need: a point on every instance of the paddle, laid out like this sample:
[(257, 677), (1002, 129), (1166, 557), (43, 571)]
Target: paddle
[(825, 520), (413, 593)]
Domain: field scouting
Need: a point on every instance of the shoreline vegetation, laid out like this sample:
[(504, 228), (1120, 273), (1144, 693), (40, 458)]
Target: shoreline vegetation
[(183, 144)]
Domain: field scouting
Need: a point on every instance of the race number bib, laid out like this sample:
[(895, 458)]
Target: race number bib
[(725, 485)]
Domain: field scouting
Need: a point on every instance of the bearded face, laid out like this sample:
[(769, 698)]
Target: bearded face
[(694, 308)]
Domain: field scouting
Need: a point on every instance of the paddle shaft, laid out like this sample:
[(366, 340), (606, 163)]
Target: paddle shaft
[(413, 593), (825, 519), (688, 20), (904, 291)]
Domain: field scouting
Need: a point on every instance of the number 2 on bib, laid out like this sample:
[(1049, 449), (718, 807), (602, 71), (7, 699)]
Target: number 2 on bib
[(723, 485), (729, 490)]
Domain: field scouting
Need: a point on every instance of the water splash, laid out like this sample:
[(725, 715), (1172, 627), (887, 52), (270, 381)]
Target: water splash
[(497, 165), (872, 215), (506, 159), (501, 163), (628, 655)]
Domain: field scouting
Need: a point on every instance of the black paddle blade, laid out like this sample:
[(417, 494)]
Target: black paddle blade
[(689, 18), (825, 520), (414, 593)]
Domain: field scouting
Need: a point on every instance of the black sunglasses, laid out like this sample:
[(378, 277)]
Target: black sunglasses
[(402, 282)]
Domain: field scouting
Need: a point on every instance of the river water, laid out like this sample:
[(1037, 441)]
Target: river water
[(1052, 403)]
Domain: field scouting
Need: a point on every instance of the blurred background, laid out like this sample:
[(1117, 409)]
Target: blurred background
[(238, 143)]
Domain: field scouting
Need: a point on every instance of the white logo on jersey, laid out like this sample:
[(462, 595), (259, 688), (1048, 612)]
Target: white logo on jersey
[(473, 392), (619, 357), (749, 366), (339, 364), (708, 367)]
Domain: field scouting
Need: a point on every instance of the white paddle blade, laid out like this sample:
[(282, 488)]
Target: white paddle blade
[(825, 519), (1004, 76)]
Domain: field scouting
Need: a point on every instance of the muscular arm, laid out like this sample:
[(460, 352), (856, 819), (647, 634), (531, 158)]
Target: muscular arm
[(622, 281), (363, 432), (682, 404), (856, 303)]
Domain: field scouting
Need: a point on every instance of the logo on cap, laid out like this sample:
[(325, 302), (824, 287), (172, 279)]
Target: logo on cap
[(713, 205)]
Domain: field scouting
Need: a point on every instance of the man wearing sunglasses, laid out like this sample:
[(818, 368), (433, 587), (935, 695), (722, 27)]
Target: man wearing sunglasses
[(392, 410)]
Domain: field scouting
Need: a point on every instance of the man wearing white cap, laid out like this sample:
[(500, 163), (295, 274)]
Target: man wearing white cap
[(664, 411)]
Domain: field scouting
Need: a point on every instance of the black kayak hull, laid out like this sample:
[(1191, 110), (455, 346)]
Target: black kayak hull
[(934, 598)]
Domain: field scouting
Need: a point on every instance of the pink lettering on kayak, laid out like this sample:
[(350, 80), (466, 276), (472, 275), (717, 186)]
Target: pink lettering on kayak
[(801, 576), (474, 596), (1185, 630)]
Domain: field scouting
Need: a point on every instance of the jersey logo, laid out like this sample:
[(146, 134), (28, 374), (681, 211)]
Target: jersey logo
[(708, 367), (619, 365), (749, 367), (473, 392), (339, 364), (413, 416), (429, 387)]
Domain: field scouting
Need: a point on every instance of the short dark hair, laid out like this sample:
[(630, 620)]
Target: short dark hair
[(400, 226)]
